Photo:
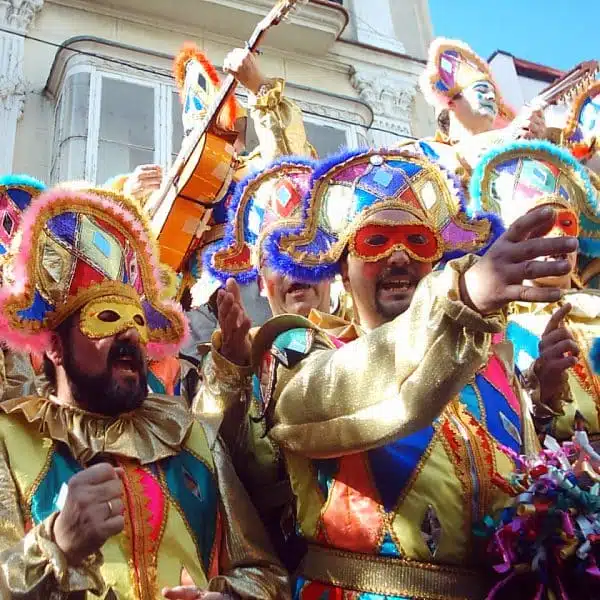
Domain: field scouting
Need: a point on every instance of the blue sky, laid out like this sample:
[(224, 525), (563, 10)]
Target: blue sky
[(557, 33)]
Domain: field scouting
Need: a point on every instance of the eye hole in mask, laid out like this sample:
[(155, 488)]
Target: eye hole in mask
[(107, 317)]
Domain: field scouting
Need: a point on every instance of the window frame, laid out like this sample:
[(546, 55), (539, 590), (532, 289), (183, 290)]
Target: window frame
[(165, 93)]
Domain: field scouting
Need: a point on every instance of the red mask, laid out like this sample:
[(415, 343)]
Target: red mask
[(374, 241), (567, 221)]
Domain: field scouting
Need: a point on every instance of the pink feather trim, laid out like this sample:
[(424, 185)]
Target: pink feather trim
[(40, 341)]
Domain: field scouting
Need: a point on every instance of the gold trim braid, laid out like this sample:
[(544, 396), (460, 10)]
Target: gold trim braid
[(392, 576)]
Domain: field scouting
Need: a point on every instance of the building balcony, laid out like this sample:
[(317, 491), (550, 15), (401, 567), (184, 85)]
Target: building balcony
[(312, 29)]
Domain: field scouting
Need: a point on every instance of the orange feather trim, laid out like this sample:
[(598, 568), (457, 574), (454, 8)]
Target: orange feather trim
[(232, 110)]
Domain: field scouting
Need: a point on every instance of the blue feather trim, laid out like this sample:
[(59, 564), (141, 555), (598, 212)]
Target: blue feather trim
[(537, 145), (21, 180), (284, 264)]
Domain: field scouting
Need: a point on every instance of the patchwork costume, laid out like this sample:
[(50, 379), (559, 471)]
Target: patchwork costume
[(512, 181), (394, 439), (185, 512)]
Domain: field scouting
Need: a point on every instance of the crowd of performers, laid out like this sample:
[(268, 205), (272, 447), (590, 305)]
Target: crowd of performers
[(429, 433)]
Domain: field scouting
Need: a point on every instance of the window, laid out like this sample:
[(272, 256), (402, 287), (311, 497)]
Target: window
[(127, 135), (71, 131), (108, 123)]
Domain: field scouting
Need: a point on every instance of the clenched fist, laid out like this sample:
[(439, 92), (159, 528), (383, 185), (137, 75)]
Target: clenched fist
[(145, 180), (242, 64), (92, 513)]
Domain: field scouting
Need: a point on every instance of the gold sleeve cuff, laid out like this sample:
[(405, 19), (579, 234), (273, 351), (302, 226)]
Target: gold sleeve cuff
[(36, 567), (455, 308), (227, 372), (270, 98), (377, 389)]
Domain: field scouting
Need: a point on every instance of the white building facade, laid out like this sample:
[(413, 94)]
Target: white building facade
[(86, 90)]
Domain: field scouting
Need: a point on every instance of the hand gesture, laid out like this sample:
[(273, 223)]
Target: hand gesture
[(192, 593), (242, 64), (497, 278), (558, 352), (234, 324), (530, 124), (92, 513), (144, 180)]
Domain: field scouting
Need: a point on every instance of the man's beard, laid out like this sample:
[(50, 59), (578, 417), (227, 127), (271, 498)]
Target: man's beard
[(390, 312), (103, 394)]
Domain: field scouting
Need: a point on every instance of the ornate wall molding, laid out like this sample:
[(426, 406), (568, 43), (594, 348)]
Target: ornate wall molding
[(390, 97), (18, 14)]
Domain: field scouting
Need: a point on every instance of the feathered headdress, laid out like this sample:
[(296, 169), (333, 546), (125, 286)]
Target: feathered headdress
[(451, 67), (77, 246), (198, 83), (581, 134), (513, 179), (347, 189), (262, 205)]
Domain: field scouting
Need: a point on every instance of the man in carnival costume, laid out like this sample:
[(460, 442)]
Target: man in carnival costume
[(105, 489), (552, 340), (394, 442), (262, 204), (471, 112)]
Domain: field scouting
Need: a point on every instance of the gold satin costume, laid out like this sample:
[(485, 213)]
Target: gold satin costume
[(395, 455), (178, 480)]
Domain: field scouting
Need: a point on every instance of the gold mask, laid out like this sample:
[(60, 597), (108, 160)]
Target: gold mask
[(120, 314)]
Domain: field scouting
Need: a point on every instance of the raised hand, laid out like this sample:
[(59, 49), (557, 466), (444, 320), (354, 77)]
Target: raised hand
[(498, 277), (558, 352), (242, 64), (144, 180), (530, 124), (234, 324), (92, 513)]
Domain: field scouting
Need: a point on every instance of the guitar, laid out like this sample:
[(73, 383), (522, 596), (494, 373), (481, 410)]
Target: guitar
[(201, 173)]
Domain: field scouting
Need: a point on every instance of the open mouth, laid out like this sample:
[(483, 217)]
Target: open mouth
[(396, 285), (298, 288)]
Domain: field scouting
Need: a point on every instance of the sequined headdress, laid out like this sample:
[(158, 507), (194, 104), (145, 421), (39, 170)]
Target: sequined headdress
[(198, 83), (581, 134), (263, 204), (78, 248), (351, 187), (452, 66), (16, 194), (513, 179)]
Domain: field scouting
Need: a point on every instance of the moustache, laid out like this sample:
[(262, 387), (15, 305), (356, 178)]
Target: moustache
[(124, 350), (396, 273)]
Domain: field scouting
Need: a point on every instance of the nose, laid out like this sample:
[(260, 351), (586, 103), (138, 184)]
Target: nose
[(398, 258), (131, 335)]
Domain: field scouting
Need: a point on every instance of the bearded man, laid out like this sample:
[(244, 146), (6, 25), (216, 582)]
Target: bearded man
[(107, 490)]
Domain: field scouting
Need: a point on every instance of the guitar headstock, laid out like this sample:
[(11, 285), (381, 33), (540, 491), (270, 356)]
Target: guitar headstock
[(279, 12)]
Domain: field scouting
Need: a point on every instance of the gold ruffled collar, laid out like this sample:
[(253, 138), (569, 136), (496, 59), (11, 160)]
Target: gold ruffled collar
[(154, 431)]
